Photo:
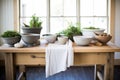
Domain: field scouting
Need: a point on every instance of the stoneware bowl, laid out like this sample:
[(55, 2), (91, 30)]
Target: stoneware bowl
[(62, 39), (11, 40), (50, 38), (82, 40), (31, 30), (103, 39), (91, 32), (31, 39)]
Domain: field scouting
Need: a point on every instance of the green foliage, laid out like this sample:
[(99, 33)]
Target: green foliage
[(91, 27), (10, 34), (71, 31), (34, 22)]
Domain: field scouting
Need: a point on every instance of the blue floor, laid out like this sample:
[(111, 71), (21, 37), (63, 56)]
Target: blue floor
[(73, 73)]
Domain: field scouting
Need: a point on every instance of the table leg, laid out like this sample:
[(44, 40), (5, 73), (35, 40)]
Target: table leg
[(97, 70), (109, 67), (9, 66), (22, 73)]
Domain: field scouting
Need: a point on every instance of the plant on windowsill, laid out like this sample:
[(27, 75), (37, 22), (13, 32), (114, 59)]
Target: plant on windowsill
[(10, 37), (34, 25), (71, 31)]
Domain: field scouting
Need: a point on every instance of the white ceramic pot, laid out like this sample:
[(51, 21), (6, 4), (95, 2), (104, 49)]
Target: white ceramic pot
[(62, 39), (50, 38), (82, 40), (91, 32)]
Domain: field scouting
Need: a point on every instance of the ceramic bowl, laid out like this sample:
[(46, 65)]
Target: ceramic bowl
[(11, 40), (82, 40), (31, 30), (91, 32), (62, 39), (30, 39), (50, 38)]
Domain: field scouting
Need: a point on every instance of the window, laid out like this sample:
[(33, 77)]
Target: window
[(57, 14), (30, 7), (94, 13)]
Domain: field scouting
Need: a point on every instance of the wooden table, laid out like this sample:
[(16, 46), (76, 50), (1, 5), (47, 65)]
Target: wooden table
[(84, 55)]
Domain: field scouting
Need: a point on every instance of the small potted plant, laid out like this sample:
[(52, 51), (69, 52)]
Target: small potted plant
[(71, 31), (11, 37), (34, 25)]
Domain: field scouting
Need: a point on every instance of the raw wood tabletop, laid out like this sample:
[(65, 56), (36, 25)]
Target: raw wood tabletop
[(110, 47)]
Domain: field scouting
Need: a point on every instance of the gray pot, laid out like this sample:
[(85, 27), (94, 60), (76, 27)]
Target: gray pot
[(11, 40), (31, 39), (31, 30)]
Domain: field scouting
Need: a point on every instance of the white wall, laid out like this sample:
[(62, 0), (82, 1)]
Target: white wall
[(6, 15), (117, 27)]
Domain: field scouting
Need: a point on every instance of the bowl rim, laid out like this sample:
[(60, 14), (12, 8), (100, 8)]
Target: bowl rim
[(30, 34), (92, 30), (83, 36)]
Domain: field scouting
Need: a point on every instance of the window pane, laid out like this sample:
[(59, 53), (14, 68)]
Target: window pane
[(63, 7), (69, 7), (86, 7), (56, 7), (30, 7), (58, 24), (100, 7), (96, 22), (93, 7)]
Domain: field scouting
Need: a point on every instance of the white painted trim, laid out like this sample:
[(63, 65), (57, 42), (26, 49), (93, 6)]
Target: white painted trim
[(78, 10), (48, 17)]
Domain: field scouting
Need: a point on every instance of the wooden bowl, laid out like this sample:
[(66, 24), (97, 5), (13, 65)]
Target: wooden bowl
[(103, 39)]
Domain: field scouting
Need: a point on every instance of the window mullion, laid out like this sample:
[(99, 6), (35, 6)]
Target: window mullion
[(107, 14), (78, 10), (48, 17)]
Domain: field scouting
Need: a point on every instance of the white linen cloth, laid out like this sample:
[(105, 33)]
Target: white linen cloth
[(58, 58)]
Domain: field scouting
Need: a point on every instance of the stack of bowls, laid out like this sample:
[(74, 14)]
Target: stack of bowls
[(31, 38)]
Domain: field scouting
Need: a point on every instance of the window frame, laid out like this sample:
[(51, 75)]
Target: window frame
[(110, 15)]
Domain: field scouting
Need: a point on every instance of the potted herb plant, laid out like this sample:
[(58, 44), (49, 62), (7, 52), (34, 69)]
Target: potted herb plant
[(71, 31), (34, 25), (11, 37)]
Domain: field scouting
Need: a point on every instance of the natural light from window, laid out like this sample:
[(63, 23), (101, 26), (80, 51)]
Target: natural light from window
[(62, 12)]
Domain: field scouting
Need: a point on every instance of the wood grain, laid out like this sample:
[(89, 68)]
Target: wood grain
[(110, 47)]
